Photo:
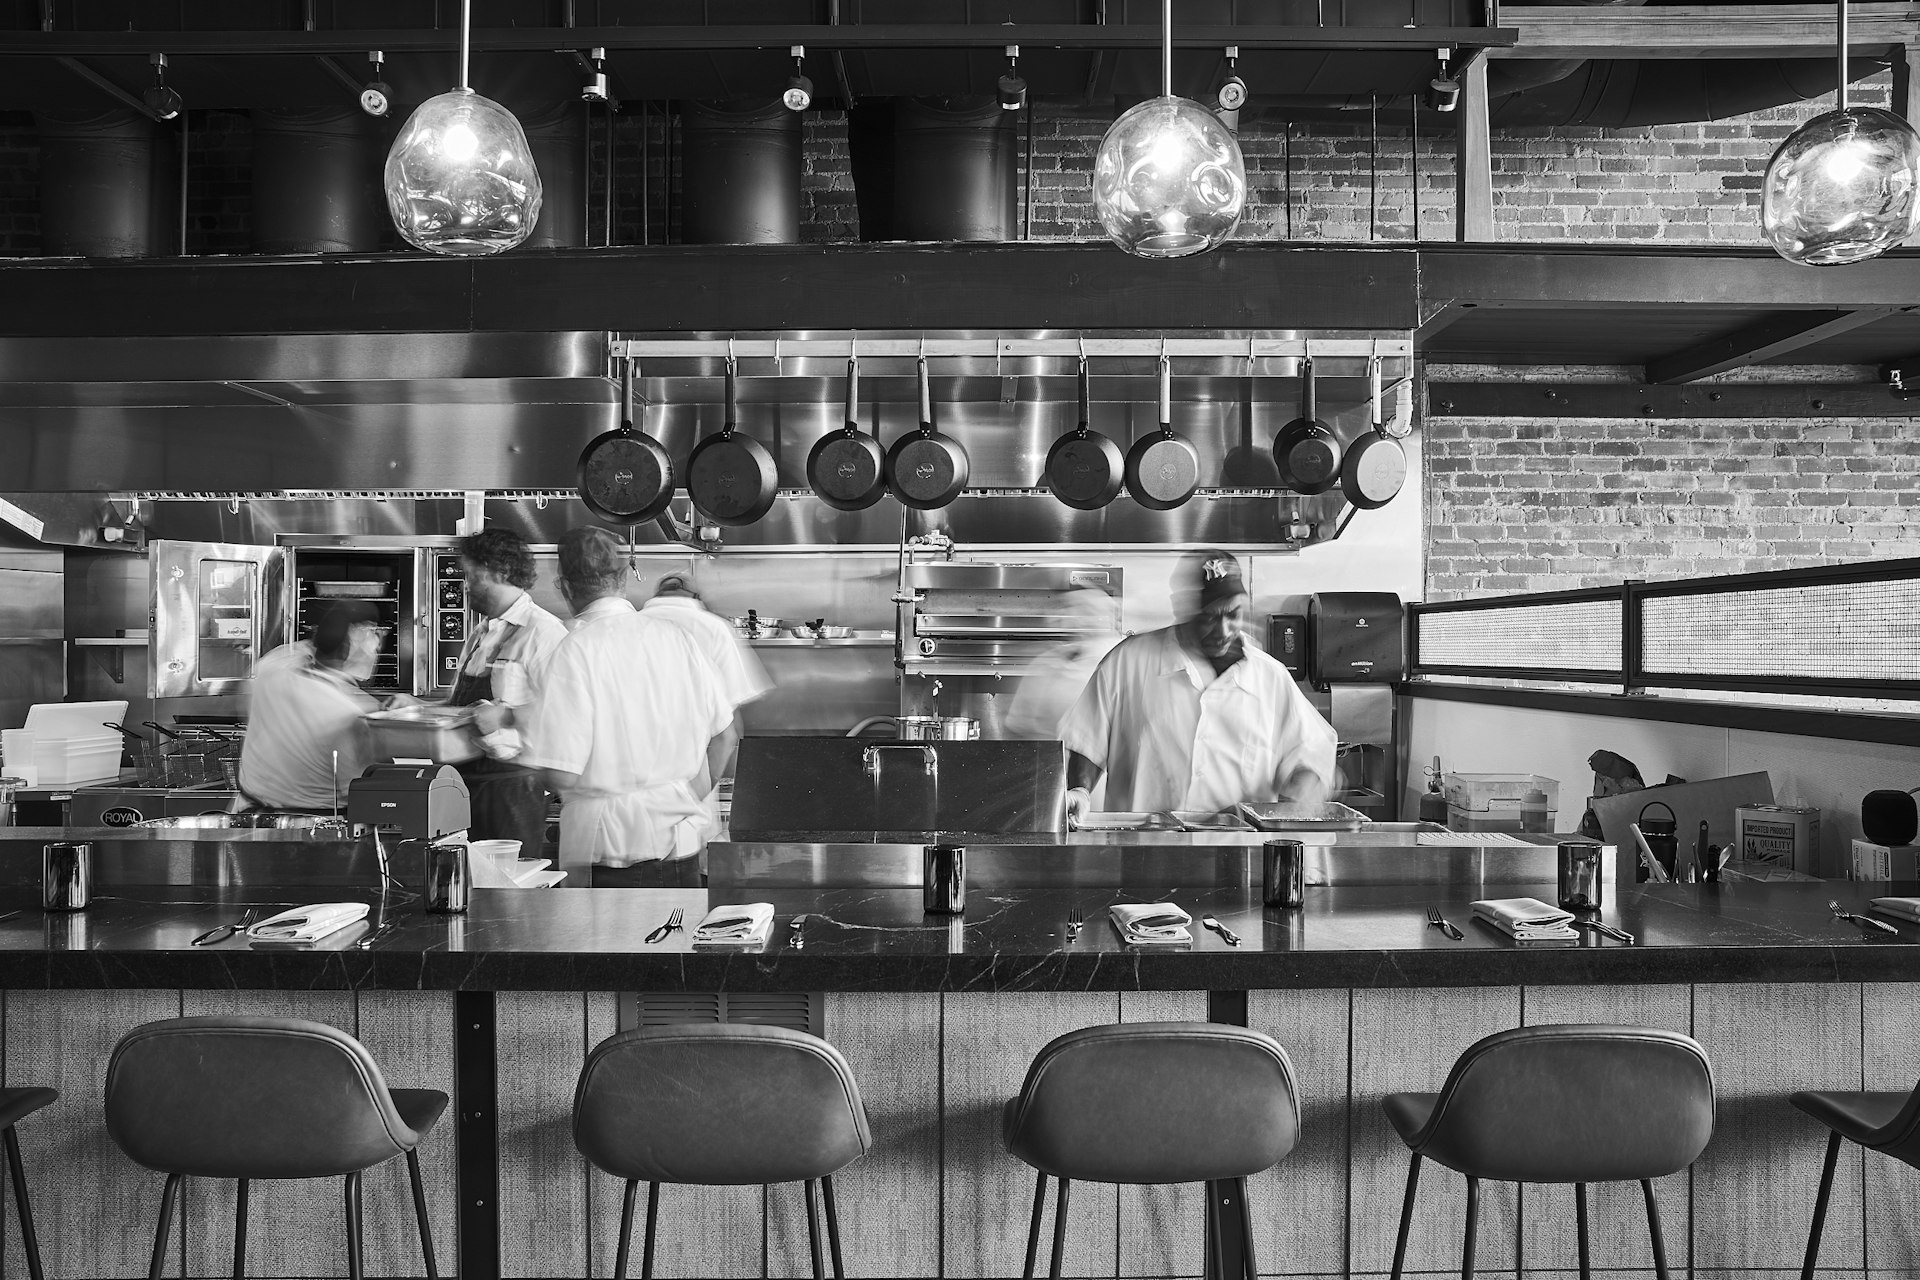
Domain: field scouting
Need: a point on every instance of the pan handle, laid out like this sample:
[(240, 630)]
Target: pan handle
[(926, 396), (733, 372), (853, 394), (1166, 391), (1309, 406), (1373, 393), (626, 394), (1086, 392)]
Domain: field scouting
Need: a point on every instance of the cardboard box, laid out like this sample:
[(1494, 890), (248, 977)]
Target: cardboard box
[(1885, 862)]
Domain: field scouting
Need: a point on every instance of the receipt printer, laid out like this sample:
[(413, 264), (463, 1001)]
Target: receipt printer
[(419, 801)]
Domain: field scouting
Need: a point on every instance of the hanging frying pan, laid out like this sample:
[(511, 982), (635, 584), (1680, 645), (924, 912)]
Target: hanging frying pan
[(1163, 468), (925, 469), (732, 478), (1375, 466), (1307, 453), (847, 469), (1085, 468), (626, 476), (1247, 465)]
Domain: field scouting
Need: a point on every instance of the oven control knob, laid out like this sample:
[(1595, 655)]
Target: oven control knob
[(927, 647)]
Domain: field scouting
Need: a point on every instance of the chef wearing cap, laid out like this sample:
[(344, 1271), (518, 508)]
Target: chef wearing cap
[(742, 677), (630, 721), (1192, 717)]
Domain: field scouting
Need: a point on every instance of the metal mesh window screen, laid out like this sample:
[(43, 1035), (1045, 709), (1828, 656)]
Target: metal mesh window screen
[(1580, 635), (1833, 631)]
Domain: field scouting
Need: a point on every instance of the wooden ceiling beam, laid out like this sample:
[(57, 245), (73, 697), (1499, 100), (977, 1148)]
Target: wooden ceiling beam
[(1704, 31), (1768, 339)]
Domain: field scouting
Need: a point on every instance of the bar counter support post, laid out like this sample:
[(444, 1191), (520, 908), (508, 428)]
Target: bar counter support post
[(476, 1135), (1228, 1228)]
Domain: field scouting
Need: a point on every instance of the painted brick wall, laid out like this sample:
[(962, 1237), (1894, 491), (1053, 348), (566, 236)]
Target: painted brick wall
[(1559, 503)]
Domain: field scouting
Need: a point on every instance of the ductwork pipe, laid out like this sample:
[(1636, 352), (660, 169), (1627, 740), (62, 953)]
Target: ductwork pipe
[(555, 138), (107, 185), (955, 170), (739, 173), (317, 181)]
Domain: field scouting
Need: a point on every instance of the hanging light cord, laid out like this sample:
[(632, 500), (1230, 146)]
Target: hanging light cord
[(1840, 91), (1166, 48), (466, 37)]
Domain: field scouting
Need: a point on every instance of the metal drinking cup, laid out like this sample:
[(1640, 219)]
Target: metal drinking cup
[(449, 879), (66, 876), (1283, 873), (944, 879), (1579, 865)]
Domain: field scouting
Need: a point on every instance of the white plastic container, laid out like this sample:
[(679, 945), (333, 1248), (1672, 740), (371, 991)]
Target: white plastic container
[(1502, 801)]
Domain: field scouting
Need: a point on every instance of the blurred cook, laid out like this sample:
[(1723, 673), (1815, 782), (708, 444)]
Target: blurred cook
[(742, 678), (500, 672), (305, 740), (1191, 716), (630, 720)]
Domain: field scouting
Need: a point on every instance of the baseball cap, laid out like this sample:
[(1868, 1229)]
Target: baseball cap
[(1217, 576)]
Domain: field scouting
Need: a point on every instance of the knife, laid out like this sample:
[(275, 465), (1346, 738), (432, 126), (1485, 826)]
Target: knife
[(1232, 938)]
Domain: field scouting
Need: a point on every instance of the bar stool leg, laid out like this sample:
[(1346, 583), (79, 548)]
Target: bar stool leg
[(166, 1227), (420, 1214), (1216, 1260), (1246, 1232), (1653, 1230), (1580, 1221), (23, 1202), (1033, 1228), (626, 1230), (653, 1221), (1406, 1216), (240, 1231), (813, 1232), (1059, 1229), (833, 1229), (356, 1264), (1473, 1223), (1819, 1205)]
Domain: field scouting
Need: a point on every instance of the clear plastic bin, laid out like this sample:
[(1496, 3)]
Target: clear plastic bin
[(1501, 801)]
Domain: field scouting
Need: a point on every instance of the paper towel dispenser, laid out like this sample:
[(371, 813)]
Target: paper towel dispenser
[(1356, 637)]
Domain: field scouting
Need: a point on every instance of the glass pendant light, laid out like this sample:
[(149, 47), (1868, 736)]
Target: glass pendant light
[(460, 178), (1169, 180), (1841, 188)]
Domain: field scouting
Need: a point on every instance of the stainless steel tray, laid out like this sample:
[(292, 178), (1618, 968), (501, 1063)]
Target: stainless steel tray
[(1278, 816), (444, 735)]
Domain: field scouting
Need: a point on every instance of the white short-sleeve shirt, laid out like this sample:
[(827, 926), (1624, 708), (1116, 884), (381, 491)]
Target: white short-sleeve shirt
[(628, 704), (300, 716), (1170, 734), (742, 676)]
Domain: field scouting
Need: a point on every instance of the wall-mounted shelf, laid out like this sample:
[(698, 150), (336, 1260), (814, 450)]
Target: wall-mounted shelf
[(111, 653)]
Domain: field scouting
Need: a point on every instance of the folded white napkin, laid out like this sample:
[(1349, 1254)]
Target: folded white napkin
[(309, 923), (746, 925), (1527, 919), (1904, 908), (1151, 924)]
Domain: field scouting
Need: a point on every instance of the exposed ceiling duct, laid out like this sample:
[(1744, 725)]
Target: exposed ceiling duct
[(739, 173), (316, 181), (107, 184)]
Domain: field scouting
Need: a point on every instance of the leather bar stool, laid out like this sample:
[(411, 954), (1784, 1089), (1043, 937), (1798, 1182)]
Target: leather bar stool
[(731, 1104), (1149, 1103), (1574, 1104), (1885, 1122), (252, 1097), (16, 1105)]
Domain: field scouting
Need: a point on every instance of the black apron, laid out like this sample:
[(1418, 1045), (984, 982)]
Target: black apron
[(509, 801)]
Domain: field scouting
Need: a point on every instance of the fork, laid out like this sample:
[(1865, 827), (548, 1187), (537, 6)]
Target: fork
[(1437, 921), (220, 933), (1074, 921), (673, 922), (1833, 904)]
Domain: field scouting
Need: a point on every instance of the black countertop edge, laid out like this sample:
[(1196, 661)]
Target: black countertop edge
[(1610, 965)]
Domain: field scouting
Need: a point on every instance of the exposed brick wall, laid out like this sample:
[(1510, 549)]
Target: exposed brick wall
[(1556, 503)]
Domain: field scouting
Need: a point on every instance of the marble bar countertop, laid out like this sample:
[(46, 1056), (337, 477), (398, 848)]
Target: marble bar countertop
[(879, 940)]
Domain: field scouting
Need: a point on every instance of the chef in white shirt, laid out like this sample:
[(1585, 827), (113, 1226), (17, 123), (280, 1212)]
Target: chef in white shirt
[(742, 677), (305, 739), (501, 668), (1192, 717), (630, 721)]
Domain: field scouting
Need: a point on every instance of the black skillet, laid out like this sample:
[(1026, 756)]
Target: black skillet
[(1376, 465), (925, 469), (1306, 451), (847, 468), (1163, 468), (1084, 468), (626, 476), (732, 478)]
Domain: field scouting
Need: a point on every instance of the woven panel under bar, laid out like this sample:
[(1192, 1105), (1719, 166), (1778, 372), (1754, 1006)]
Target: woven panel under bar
[(1834, 631), (1582, 635)]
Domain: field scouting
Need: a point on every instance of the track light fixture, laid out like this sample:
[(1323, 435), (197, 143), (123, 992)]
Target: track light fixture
[(376, 99), (799, 94), (161, 99), (1013, 87), (1443, 91), (595, 89), (1232, 94)]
